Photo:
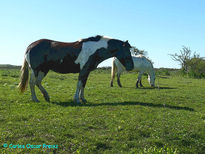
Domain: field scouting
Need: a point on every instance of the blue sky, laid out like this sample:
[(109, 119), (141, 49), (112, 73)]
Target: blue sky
[(157, 26)]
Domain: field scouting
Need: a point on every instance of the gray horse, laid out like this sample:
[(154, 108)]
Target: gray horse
[(141, 64)]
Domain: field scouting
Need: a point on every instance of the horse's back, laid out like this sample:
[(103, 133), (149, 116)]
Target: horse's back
[(141, 63), (54, 55)]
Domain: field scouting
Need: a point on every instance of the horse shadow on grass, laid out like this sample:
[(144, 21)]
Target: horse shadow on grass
[(89, 104), (144, 88), (160, 88)]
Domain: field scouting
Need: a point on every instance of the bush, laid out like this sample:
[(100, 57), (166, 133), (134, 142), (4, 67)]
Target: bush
[(196, 68), (163, 71)]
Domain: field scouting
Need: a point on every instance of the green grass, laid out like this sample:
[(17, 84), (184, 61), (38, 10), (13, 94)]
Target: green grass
[(167, 119)]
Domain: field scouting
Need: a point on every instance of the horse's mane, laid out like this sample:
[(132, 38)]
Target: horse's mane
[(93, 38)]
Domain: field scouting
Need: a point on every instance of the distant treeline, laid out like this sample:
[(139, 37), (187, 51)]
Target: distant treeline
[(8, 66), (158, 71), (165, 71)]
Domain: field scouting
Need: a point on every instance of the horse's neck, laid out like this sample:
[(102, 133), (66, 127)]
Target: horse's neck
[(151, 72)]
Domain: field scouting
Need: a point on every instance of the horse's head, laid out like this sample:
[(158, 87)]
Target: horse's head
[(151, 79), (122, 53)]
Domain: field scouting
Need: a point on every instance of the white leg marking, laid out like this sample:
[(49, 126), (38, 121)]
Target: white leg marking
[(82, 95), (76, 97), (32, 83)]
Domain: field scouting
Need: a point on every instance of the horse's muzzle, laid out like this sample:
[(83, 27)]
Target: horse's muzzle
[(152, 86)]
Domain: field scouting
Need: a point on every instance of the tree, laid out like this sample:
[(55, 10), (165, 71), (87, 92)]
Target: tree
[(193, 65), (196, 67), (137, 51), (183, 57)]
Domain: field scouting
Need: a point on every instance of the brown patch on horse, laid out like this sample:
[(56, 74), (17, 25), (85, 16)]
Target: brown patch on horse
[(77, 44)]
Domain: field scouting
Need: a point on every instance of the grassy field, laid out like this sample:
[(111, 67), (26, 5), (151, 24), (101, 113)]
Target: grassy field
[(169, 118)]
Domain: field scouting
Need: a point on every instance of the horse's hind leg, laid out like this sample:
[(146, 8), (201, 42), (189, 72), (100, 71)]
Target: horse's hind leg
[(118, 80), (40, 77), (137, 83), (32, 84), (141, 83)]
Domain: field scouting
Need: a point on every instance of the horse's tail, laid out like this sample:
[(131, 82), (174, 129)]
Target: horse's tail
[(113, 70), (24, 77)]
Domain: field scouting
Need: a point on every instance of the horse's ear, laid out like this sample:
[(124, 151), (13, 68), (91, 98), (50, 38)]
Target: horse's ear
[(127, 44), (124, 43)]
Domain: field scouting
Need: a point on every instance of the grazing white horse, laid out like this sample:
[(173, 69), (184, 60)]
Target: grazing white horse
[(141, 64)]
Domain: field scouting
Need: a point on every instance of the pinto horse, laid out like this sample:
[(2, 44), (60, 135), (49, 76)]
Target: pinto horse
[(141, 64), (81, 57)]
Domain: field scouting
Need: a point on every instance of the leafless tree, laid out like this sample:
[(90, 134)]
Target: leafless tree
[(183, 57)]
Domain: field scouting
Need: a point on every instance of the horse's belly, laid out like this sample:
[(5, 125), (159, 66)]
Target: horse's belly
[(65, 68)]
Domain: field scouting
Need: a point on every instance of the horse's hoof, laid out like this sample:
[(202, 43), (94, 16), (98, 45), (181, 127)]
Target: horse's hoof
[(84, 100), (47, 99), (77, 101), (35, 100)]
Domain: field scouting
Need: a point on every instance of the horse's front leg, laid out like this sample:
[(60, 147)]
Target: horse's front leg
[(82, 95), (79, 87), (139, 80), (141, 83), (82, 79)]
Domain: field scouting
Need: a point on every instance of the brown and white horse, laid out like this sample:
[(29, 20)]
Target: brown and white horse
[(81, 57)]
